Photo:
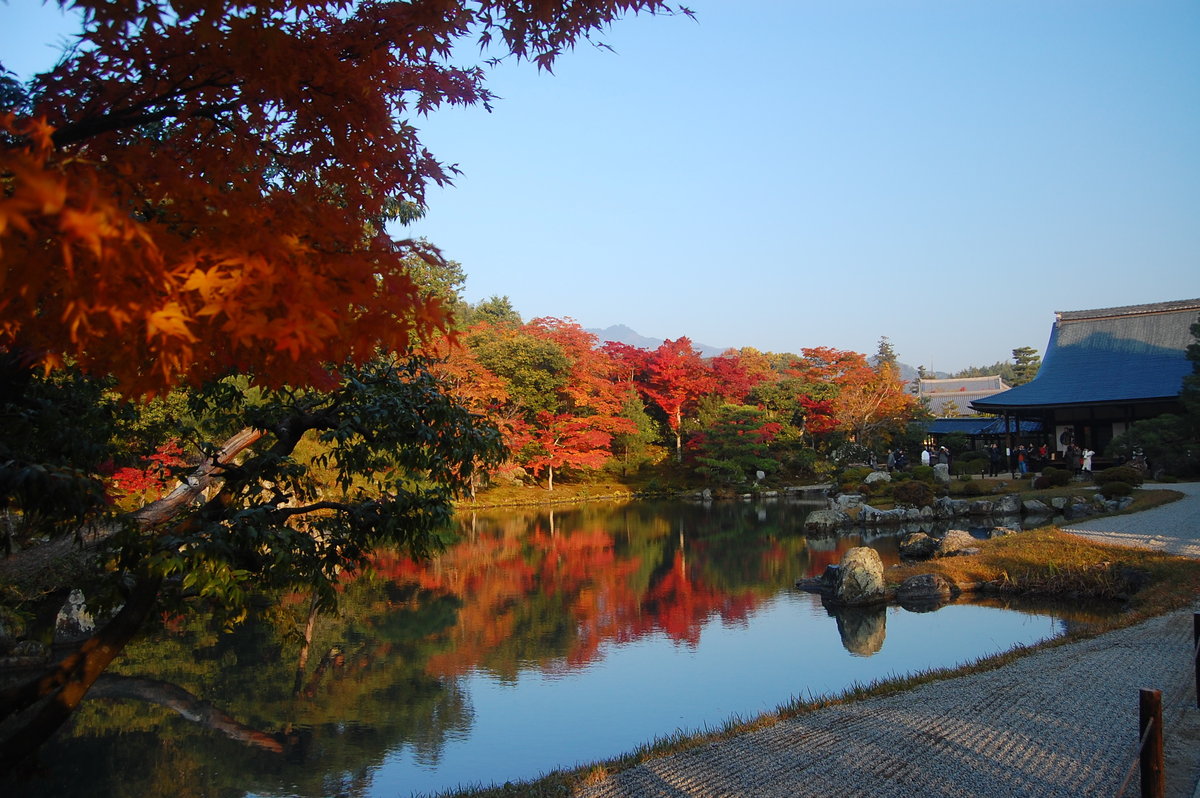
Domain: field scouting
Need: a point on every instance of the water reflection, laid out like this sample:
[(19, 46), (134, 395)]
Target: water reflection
[(542, 639)]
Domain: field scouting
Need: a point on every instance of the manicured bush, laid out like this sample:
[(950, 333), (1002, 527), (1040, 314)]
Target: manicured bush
[(1054, 477), (1127, 474), (854, 475), (973, 488), (912, 493), (922, 473), (1113, 490)]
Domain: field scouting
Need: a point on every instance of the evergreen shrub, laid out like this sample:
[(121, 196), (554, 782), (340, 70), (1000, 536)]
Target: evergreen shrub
[(1115, 489), (1126, 474), (922, 473), (912, 493)]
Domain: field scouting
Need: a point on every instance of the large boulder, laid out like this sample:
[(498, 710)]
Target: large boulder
[(1035, 507), (981, 507), (917, 546), (877, 476), (1009, 504), (860, 578), (827, 520), (941, 474), (956, 541), (846, 501)]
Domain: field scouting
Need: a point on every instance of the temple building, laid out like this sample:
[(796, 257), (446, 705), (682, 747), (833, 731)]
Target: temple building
[(952, 397), (1103, 370)]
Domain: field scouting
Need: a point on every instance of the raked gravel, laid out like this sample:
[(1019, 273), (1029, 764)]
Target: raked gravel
[(1060, 722)]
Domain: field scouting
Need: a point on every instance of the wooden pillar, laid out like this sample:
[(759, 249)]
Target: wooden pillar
[(1154, 781)]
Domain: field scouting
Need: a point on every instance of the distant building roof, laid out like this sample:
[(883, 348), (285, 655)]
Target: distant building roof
[(962, 391), (1111, 355)]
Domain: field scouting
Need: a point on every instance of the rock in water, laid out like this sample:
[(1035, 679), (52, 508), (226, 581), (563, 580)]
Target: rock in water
[(860, 578)]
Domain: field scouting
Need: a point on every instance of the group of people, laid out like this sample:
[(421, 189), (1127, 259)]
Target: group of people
[(1024, 459)]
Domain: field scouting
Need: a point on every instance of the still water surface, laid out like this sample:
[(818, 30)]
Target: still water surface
[(540, 640)]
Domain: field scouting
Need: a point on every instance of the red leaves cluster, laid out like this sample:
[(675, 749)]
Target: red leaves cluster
[(201, 187)]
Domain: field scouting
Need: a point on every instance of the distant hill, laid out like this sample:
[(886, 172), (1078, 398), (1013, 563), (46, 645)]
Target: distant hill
[(624, 335)]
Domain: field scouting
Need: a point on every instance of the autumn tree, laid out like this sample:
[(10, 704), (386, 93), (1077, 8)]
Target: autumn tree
[(674, 378), (198, 191)]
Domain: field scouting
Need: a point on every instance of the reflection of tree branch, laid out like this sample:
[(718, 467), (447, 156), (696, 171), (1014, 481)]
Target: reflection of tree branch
[(175, 698)]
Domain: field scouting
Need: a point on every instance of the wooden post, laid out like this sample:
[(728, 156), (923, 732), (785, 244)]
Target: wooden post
[(1154, 782)]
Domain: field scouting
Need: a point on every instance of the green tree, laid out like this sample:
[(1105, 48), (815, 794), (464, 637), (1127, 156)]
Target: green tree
[(735, 444), (1026, 363)]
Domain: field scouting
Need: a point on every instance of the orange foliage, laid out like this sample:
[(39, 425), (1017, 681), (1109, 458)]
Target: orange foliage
[(202, 187)]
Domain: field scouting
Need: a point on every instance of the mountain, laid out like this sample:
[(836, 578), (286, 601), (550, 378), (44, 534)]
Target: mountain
[(624, 335)]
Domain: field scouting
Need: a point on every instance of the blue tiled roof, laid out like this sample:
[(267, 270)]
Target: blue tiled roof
[(1131, 354)]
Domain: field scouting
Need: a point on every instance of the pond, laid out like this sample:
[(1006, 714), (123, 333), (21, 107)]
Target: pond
[(540, 640)]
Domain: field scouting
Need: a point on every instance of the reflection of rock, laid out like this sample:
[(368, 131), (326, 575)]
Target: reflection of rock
[(917, 546), (860, 578), (924, 592), (862, 629)]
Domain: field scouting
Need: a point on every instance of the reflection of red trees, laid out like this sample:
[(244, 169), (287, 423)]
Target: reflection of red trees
[(679, 605), (508, 581)]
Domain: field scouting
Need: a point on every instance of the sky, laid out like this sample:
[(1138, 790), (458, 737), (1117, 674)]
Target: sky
[(783, 174)]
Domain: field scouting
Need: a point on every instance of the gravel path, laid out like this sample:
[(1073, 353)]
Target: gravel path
[(1060, 722)]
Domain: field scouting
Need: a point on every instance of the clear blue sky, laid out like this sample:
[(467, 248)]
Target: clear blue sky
[(788, 173)]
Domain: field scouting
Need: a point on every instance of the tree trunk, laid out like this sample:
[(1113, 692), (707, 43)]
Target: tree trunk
[(51, 697), (550, 479)]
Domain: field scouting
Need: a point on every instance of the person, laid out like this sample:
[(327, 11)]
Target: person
[(993, 460), (1087, 459), (891, 460), (943, 456), (1022, 466), (925, 455)]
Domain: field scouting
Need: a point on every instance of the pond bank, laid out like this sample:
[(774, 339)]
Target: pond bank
[(1059, 722)]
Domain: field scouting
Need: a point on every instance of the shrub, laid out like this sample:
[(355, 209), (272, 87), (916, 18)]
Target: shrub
[(973, 488), (854, 475), (922, 473), (1054, 477), (1042, 482), (1126, 474), (912, 493), (1114, 489)]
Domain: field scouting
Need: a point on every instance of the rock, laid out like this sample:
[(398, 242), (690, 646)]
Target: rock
[(941, 474), (862, 629), (1009, 504), (917, 546), (1078, 510), (1035, 507), (955, 541), (912, 514), (924, 592), (74, 622), (1058, 502), (943, 508), (980, 507), (1001, 531), (860, 578), (927, 513), (877, 476), (1124, 502), (846, 501), (826, 520)]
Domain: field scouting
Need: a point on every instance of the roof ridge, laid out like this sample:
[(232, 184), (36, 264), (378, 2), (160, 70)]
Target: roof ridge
[(1129, 310)]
